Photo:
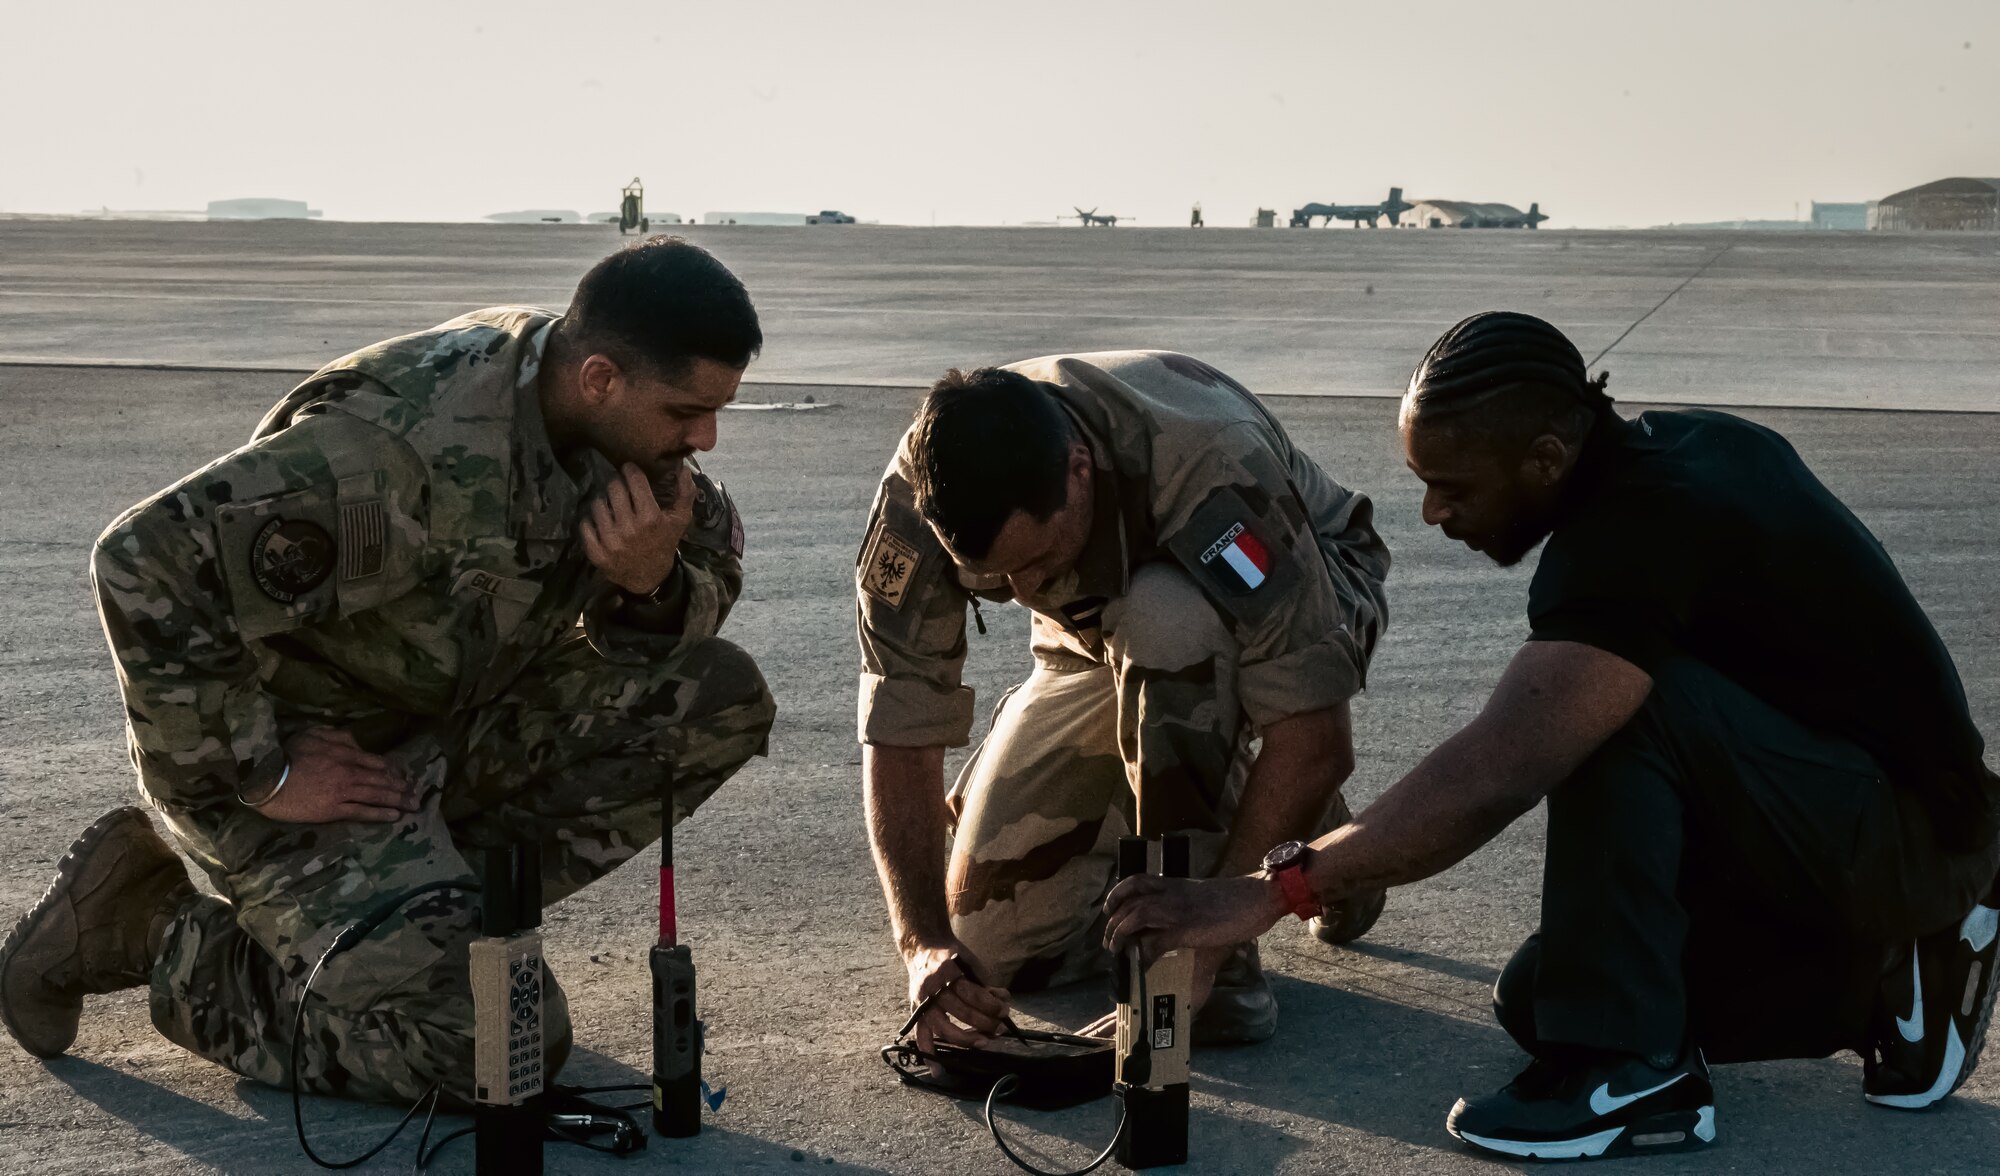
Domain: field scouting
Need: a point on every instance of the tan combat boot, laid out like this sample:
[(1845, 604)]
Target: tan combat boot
[(92, 931), (1240, 1008), (1350, 918)]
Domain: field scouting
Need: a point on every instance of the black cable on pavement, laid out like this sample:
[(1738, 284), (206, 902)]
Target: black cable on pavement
[(352, 934)]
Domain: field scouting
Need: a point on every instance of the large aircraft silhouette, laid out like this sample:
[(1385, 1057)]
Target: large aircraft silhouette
[(1358, 214)]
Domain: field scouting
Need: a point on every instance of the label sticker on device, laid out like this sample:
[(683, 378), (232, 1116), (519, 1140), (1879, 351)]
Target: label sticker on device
[(1163, 1022)]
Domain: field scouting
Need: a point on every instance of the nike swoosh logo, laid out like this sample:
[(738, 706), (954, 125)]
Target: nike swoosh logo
[(1980, 927), (1912, 1027), (1603, 1102)]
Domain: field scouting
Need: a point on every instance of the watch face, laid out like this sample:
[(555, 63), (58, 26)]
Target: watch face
[(1285, 856)]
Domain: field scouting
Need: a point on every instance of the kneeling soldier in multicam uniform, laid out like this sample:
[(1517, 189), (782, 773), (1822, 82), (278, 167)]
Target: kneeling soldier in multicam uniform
[(1197, 584), (351, 656)]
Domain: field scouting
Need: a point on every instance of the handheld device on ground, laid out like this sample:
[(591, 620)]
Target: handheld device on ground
[(507, 1014), (1153, 1026), (1047, 1071), (677, 1032), (1148, 1056)]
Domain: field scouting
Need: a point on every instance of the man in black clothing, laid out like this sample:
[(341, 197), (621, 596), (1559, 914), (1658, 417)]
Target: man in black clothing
[(1771, 830)]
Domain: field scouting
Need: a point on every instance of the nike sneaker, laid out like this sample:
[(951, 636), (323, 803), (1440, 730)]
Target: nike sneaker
[(1620, 1105), (1933, 1011)]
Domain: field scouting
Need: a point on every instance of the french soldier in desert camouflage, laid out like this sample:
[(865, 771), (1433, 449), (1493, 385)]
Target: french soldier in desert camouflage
[(461, 589), (1205, 600)]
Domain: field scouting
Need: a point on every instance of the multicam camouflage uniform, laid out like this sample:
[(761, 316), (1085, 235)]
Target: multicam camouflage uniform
[(1227, 583), (393, 554)]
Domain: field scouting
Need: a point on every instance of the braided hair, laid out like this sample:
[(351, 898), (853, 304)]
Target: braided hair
[(1507, 377)]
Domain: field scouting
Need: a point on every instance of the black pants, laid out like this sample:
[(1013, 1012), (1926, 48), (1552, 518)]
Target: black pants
[(1718, 874)]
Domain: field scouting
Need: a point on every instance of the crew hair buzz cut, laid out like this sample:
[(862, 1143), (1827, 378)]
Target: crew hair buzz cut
[(985, 444)]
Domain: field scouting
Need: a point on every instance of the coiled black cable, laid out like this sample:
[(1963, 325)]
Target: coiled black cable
[(627, 1142), (1142, 1056), (347, 939), (1006, 1084)]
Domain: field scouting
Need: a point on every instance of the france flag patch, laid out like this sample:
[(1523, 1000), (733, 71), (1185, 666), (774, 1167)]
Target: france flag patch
[(1240, 552)]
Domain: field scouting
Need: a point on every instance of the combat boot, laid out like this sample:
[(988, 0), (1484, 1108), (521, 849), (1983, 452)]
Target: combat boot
[(1240, 1009), (1351, 917), (94, 930)]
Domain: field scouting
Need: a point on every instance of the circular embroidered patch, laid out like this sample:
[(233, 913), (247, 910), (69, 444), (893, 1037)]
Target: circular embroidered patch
[(291, 557), (707, 506)]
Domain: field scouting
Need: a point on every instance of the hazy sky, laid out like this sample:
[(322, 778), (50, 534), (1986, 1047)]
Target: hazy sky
[(1607, 112)]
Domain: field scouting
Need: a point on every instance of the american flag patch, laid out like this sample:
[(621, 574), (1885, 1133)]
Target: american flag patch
[(364, 532)]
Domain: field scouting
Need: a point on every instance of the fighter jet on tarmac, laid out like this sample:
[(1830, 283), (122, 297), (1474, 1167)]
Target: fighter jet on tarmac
[(1092, 219), (1357, 214)]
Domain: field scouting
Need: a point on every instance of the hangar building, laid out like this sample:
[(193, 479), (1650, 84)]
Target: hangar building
[(1839, 216), (1461, 214), (1959, 203)]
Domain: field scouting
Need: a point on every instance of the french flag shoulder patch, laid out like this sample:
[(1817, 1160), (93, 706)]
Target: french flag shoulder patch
[(1241, 557), (1237, 554)]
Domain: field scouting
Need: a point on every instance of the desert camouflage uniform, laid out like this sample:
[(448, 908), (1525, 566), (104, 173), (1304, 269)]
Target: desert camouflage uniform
[(393, 554), (1157, 661)]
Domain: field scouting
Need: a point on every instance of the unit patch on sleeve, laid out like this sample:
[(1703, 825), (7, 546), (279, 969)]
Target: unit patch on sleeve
[(291, 557), (888, 566), (716, 516), (279, 559)]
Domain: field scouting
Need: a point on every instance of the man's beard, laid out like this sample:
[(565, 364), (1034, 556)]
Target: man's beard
[(667, 479), (1513, 545)]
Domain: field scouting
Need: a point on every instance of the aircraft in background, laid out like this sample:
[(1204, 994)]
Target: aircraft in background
[(1357, 214), (1527, 220), (1092, 219)]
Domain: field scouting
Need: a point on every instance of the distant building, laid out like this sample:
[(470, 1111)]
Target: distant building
[(1960, 203), (1464, 214), (753, 218), (260, 209), (1751, 226), (537, 216), (186, 214), (1839, 216), (1267, 218)]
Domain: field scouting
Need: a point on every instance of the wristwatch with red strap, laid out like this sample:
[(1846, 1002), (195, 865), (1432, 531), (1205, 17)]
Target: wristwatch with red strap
[(1287, 863)]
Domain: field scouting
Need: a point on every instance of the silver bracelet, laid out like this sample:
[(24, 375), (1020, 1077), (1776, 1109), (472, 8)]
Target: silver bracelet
[(273, 793)]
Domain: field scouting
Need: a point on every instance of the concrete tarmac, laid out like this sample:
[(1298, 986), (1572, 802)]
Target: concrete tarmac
[(798, 979), (799, 982), (1830, 319)]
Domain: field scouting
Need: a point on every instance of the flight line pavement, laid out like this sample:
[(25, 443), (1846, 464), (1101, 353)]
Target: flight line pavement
[(798, 980), (1857, 320)]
